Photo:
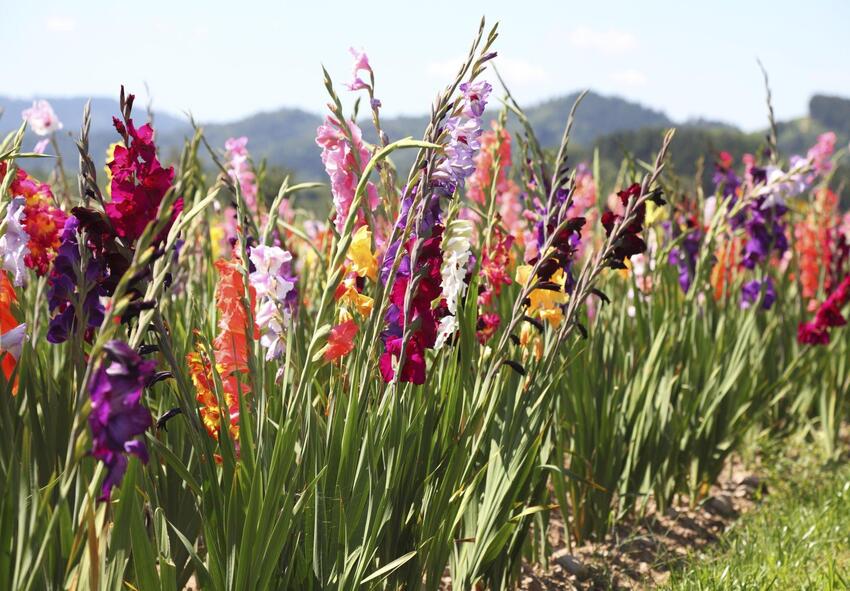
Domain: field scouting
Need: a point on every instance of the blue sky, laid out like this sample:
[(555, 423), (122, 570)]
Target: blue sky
[(224, 60)]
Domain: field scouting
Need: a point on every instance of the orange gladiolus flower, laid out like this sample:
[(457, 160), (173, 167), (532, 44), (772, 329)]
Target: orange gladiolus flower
[(8, 326), (726, 268), (814, 237), (231, 351)]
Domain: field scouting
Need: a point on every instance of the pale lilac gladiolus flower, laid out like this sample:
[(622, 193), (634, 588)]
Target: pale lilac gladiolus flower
[(273, 289), (12, 341), (41, 118)]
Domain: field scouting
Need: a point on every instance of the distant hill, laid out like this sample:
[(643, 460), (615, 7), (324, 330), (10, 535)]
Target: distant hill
[(597, 115), (70, 112), (286, 137)]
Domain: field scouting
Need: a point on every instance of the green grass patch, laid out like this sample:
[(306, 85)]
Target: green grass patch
[(798, 539)]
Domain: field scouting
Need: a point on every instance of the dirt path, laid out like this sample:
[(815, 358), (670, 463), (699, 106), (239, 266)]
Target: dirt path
[(639, 555)]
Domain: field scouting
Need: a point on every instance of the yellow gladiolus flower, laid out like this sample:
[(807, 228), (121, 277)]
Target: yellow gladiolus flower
[(363, 261)]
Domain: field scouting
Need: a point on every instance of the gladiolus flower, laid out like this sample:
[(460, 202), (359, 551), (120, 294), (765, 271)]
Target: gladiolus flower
[(363, 261), (117, 415), (545, 302), (231, 351), (348, 294), (456, 257), (828, 316), (629, 243), (239, 169), (340, 340), (41, 220), (41, 118), (273, 288), (343, 167), (413, 370), (138, 183), (231, 344), (12, 334), (361, 64), (752, 290), (41, 146), (13, 244), (486, 327), (63, 288)]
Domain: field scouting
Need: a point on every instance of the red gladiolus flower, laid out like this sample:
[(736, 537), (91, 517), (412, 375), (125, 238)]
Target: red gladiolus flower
[(42, 221), (341, 340), (487, 325)]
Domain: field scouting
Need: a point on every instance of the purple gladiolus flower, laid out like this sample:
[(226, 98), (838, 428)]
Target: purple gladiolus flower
[(685, 255), (117, 415), (63, 286), (751, 291), (451, 169), (475, 97), (766, 232)]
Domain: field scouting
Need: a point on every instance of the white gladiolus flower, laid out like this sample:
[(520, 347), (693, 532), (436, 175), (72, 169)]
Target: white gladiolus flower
[(13, 244), (456, 253)]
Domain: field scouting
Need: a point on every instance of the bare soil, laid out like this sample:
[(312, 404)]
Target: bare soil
[(640, 554)]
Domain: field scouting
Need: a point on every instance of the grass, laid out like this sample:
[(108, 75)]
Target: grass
[(798, 539)]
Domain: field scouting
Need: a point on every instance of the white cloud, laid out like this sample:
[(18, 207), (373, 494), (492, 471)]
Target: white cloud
[(631, 77), (610, 41), (519, 71), (61, 24), (516, 71), (445, 68)]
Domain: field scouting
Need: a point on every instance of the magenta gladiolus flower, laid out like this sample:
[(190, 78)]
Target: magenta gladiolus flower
[(139, 182), (117, 415)]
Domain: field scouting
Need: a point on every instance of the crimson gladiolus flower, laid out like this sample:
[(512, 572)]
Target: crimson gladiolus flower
[(629, 243), (139, 182), (341, 340), (828, 316)]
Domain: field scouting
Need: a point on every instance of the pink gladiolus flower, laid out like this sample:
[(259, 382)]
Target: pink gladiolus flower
[(820, 153), (41, 118), (361, 64), (240, 171), (343, 167)]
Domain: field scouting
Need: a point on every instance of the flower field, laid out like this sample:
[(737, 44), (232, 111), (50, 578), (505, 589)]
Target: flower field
[(205, 384)]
